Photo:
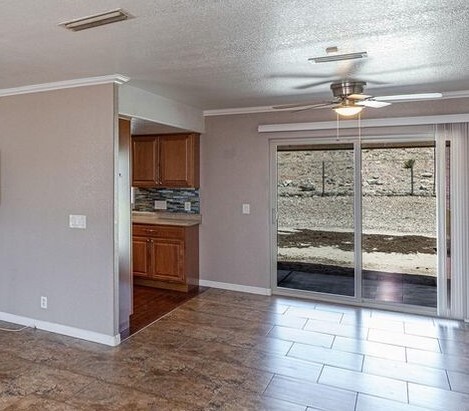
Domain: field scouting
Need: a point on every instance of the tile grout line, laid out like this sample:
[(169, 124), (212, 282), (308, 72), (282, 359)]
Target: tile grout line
[(449, 381), (356, 402), (270, 382), (81, 390), (439, 346), (288, 352), (320, 373)]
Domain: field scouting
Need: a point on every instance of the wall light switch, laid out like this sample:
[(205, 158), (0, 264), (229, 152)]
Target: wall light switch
[(187, 206), (246, 209), (160, 205), (77, 221)]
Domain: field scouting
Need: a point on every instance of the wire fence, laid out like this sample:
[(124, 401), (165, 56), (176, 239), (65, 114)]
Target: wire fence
[(409, 175)]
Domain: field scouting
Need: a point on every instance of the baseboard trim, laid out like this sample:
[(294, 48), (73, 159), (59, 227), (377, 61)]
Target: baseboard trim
[(235, 287), (92, 336)]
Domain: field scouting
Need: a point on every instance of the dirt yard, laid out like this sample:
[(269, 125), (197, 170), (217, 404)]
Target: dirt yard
[(408, 244)]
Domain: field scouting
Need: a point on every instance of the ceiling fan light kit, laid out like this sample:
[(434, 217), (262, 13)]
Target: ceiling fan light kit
[(348, 110)]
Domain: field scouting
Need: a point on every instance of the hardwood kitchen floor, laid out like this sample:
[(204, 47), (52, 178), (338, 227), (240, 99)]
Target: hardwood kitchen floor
[(152, 303), (231, 351)]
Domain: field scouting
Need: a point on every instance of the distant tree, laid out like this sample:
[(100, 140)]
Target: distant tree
[(409, 164)]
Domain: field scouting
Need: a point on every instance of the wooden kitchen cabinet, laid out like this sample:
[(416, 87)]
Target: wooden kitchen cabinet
[(145, 172), (141, 256), (166, 161), (166, 256), (167, 259)]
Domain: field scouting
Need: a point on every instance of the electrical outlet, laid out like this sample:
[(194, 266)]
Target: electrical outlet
[(246, 209), (44, 303), (187, 206), (160, 205)]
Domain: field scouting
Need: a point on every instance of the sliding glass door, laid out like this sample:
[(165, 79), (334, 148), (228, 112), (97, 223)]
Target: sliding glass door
[(399, 226), (357, 221), (315, 236)]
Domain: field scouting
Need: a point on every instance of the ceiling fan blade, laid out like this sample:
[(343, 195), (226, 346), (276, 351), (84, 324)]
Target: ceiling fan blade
[(407, 69), (373, 103), (295, 105), (301, 76), (329, 105), (358, 96), (310, 85), (410, 97), (378, 83), (315, 107)]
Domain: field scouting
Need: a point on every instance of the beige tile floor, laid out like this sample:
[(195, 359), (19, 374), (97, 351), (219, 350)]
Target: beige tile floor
[(233, 351)]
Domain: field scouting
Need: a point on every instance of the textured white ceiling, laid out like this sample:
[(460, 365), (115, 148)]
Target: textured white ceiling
[(235, 53)]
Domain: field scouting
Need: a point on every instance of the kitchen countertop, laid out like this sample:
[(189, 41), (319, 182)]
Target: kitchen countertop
[(166, 218)]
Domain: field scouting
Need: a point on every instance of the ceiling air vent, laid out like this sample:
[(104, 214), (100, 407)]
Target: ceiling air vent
[(96, 20), (339, 57)]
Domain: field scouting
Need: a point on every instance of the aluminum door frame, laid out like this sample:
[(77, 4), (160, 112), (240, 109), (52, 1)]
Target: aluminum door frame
[(334, 298)]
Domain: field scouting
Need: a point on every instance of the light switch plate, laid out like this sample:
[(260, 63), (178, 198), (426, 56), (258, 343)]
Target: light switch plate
[(246, 209), (187, 206), (77, 221), (160, 205)]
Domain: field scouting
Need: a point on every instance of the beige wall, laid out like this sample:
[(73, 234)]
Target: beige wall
[(57, 158), (235, 169)]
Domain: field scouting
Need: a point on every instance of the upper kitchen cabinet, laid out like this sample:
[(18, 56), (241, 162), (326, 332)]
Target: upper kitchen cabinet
[(145, 171), (179, 160), (166, 161)]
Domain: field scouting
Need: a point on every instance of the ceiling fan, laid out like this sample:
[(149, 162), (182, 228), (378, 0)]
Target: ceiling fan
[(349, 99)]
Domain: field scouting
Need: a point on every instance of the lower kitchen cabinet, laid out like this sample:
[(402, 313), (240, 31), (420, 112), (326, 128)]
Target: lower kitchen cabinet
[(166, 256), (141, 256)]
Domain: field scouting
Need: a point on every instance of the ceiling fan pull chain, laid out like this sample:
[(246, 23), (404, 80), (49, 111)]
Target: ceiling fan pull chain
[(360, 129), (337, 126)]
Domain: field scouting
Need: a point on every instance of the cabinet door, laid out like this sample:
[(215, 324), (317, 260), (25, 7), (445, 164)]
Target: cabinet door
[(178, 161), (144, 161), (167, 259), (140, 256)]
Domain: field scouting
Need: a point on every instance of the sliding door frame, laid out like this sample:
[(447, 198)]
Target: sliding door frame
[(358, 298)]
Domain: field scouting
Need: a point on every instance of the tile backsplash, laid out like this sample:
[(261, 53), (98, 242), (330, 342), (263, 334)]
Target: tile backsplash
[(144, 199)]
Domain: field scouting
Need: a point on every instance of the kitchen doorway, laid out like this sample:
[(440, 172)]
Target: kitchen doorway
[(158, 254), (358, 222)]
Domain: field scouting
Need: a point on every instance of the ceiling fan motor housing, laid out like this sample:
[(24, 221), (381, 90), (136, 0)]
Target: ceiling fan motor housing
[(343, 89)]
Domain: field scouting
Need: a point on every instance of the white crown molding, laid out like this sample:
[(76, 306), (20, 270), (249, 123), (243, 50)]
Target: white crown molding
[(92, 336), (235, 287), (240, 110), (268, 109), (57, 85)]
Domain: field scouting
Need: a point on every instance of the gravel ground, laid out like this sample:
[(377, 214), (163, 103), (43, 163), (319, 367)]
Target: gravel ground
[(393, 215)]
